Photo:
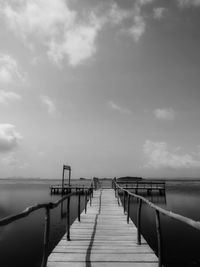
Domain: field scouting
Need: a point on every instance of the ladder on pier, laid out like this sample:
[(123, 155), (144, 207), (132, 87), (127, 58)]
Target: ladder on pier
[(103, 239)]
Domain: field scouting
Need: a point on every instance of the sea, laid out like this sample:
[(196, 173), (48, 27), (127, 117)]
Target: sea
[(21, 242)]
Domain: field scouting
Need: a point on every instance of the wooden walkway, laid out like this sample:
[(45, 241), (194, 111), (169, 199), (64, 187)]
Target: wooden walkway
[(103, 238)]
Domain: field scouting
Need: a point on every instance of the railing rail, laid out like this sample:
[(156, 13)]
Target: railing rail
[(49, 206), (158, 210)]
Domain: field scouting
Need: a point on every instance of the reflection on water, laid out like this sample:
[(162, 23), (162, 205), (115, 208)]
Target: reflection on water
[(21, 242), (180, 242)]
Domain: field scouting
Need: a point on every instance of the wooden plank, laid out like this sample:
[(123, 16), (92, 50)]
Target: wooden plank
[(103, 238)]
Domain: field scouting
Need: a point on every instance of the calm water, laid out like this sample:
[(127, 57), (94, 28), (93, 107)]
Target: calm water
[(21, 242), (181, 243)]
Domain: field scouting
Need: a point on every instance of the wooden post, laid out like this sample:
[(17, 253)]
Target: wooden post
[(124, 201), (46, 237), (139, 222), (159, 238), (63, 177), (90, 197), (92, 190), (85, 201), (68, 218), (79, 206), (118, 196), (128, 208), (69, 177)]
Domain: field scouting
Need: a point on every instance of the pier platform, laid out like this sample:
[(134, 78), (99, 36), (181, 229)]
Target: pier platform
[(103, 238)]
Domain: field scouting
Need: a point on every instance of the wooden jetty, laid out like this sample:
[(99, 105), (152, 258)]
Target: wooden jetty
[(145, 187), (103, 238), (59, 190), (139, 187)]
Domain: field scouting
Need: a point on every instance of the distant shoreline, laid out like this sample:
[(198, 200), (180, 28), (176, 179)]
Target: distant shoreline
[(21, 179)]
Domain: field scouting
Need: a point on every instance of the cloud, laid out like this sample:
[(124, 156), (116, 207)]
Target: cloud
[(138, 28), (188, 3), (8, 97), (67, 33), (139, 23), (164, 114), (158, 12), (62, 30), (114, 106), (144, 2), (10, 71), (78, 43), (49, 104), (116, 15), (9, 137), (159, 156)]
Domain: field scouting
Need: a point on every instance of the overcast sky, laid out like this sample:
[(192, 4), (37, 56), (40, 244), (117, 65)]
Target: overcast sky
[(110, 87)]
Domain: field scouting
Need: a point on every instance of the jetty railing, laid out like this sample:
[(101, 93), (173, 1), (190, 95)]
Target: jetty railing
[(158, 210), (49, 206)]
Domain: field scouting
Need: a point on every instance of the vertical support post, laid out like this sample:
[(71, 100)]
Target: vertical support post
[(46, 237), (139, 222), (79, 206), (68, 219), (90, 197), (118, 196), (159, 238), (124, 201), (85, 201), (69, 177), (63, 176), (128, 208)]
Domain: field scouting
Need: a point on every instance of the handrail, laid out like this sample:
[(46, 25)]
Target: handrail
[(158, 211), (49, 206)]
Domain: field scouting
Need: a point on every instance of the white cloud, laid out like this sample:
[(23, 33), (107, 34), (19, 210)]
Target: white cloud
[(158, 12), (139, 23), (188, 3), (9, 137), (116, 15), (8, 97), (62, 30), (10, 71), (144, 2), (78, 43), (138, 28), (164, 114), (159, 156), (49, 104), (68, 33), (38, 16), (120, 109)]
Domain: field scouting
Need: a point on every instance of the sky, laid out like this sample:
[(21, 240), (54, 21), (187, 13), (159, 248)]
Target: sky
[(110, 88)]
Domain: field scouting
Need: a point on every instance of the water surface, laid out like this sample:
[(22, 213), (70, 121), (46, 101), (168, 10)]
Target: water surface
[(180, 242)]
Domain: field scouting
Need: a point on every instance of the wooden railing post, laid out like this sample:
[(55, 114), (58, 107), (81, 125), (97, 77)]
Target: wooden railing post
[(46, 237), (128, 208), (92, 191), (159, 238), (90, 197), (68, 218), (79, 206), (124, 201), (118, 196), (139, 222), (85, 201)]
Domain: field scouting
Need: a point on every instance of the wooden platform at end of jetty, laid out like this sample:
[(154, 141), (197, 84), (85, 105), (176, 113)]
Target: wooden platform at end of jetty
[(103, 238)]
